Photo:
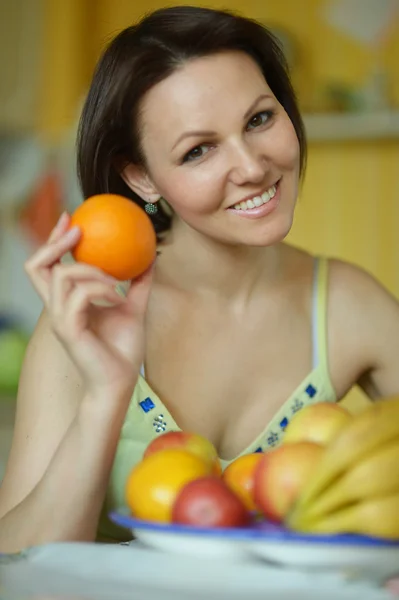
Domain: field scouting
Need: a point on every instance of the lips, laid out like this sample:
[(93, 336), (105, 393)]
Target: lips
[(256, 200), (258, 212)]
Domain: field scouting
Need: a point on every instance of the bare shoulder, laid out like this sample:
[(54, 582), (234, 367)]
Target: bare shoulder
[(365, 317), (356, 291), (50, 389)]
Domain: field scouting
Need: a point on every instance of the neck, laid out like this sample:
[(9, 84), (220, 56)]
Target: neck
[(203, 266)]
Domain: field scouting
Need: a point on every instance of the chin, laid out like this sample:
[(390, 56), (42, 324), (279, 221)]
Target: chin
[(274, 233)]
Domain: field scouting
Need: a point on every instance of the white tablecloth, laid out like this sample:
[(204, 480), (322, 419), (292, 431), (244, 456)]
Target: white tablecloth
[(76, 571)]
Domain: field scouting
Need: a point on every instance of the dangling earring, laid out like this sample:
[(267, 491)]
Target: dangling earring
[(151, 208)]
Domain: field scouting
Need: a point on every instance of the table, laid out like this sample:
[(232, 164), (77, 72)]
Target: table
[(77, 571)]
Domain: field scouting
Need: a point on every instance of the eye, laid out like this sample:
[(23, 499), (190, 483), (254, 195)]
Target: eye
[(196, 153), (260, 119)]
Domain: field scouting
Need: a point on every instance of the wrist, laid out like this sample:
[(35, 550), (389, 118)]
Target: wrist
[(105, 405), (119, 391)]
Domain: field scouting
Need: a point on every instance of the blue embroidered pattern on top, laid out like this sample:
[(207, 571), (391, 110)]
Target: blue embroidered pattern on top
[(147, 405), (284, 423), (159, 424), (273, 438), (298, 404), (311, 391)]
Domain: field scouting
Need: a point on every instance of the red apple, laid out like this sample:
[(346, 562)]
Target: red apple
[(186, 440), (209, 502), (281, 475)]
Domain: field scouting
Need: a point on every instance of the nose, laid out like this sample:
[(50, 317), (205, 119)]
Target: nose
[(246, 164)]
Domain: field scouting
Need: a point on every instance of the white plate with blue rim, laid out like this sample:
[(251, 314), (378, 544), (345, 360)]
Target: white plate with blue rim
[(352, 555)]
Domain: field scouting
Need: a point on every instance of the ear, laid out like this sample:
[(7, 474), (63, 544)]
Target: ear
[(138, 180)]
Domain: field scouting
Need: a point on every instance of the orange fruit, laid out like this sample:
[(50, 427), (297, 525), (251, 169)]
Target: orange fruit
[(117, 236), (155, 482), (217, 468), (240, 477)]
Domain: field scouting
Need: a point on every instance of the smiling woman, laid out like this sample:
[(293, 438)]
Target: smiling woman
[(233, 331), (206, 162), (167, 57)]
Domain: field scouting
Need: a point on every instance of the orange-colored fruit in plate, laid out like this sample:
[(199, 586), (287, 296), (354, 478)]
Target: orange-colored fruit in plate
[(153, 484), (117, 236), (192, 442), (239, 475)]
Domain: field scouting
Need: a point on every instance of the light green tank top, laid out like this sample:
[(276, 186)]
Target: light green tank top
[(147, 417)]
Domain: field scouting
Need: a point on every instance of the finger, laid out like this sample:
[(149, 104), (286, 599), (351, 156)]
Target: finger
[(39, 265), (65, 277), (139, 292), (60, 228), (50, 253), (73, 318)]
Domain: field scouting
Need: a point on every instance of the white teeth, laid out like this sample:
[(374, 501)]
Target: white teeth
[(265, 197), (257, 200)]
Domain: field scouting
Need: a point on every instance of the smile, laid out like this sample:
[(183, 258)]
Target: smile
[(257, 201)]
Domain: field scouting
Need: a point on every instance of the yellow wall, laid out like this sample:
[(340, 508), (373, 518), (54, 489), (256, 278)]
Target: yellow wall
[(323, 53), (349, 206)]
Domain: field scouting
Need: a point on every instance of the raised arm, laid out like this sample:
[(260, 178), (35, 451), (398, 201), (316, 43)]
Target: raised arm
[(79, 373)]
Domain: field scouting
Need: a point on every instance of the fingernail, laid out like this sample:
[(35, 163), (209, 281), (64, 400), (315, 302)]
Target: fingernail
[(71, 233), (61, 219)]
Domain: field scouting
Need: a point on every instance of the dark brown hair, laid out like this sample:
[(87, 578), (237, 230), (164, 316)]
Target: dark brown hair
[(143, 55)]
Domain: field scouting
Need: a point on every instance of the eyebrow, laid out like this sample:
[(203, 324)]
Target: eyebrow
[(193, 134), (208, 133), (255, 104)]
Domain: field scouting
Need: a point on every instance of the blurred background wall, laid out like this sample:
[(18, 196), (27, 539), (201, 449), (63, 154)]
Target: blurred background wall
[(343, 56)]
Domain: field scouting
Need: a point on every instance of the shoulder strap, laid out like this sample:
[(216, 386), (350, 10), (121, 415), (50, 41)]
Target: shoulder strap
[(319, 312)]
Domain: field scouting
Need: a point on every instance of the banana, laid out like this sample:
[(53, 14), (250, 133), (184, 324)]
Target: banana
[(375, 426), (377, 517), (375, 475)]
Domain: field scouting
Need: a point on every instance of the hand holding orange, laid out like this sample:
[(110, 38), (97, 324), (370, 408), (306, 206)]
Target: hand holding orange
[(117, 236)]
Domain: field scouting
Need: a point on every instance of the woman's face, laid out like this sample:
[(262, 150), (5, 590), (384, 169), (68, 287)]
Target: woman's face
[(222, 151)]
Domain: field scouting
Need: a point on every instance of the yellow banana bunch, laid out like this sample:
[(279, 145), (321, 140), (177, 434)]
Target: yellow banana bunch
[(376, 517), (355, 487)]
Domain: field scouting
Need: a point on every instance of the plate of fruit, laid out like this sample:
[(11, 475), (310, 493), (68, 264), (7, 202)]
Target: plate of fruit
[(327, 498)]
